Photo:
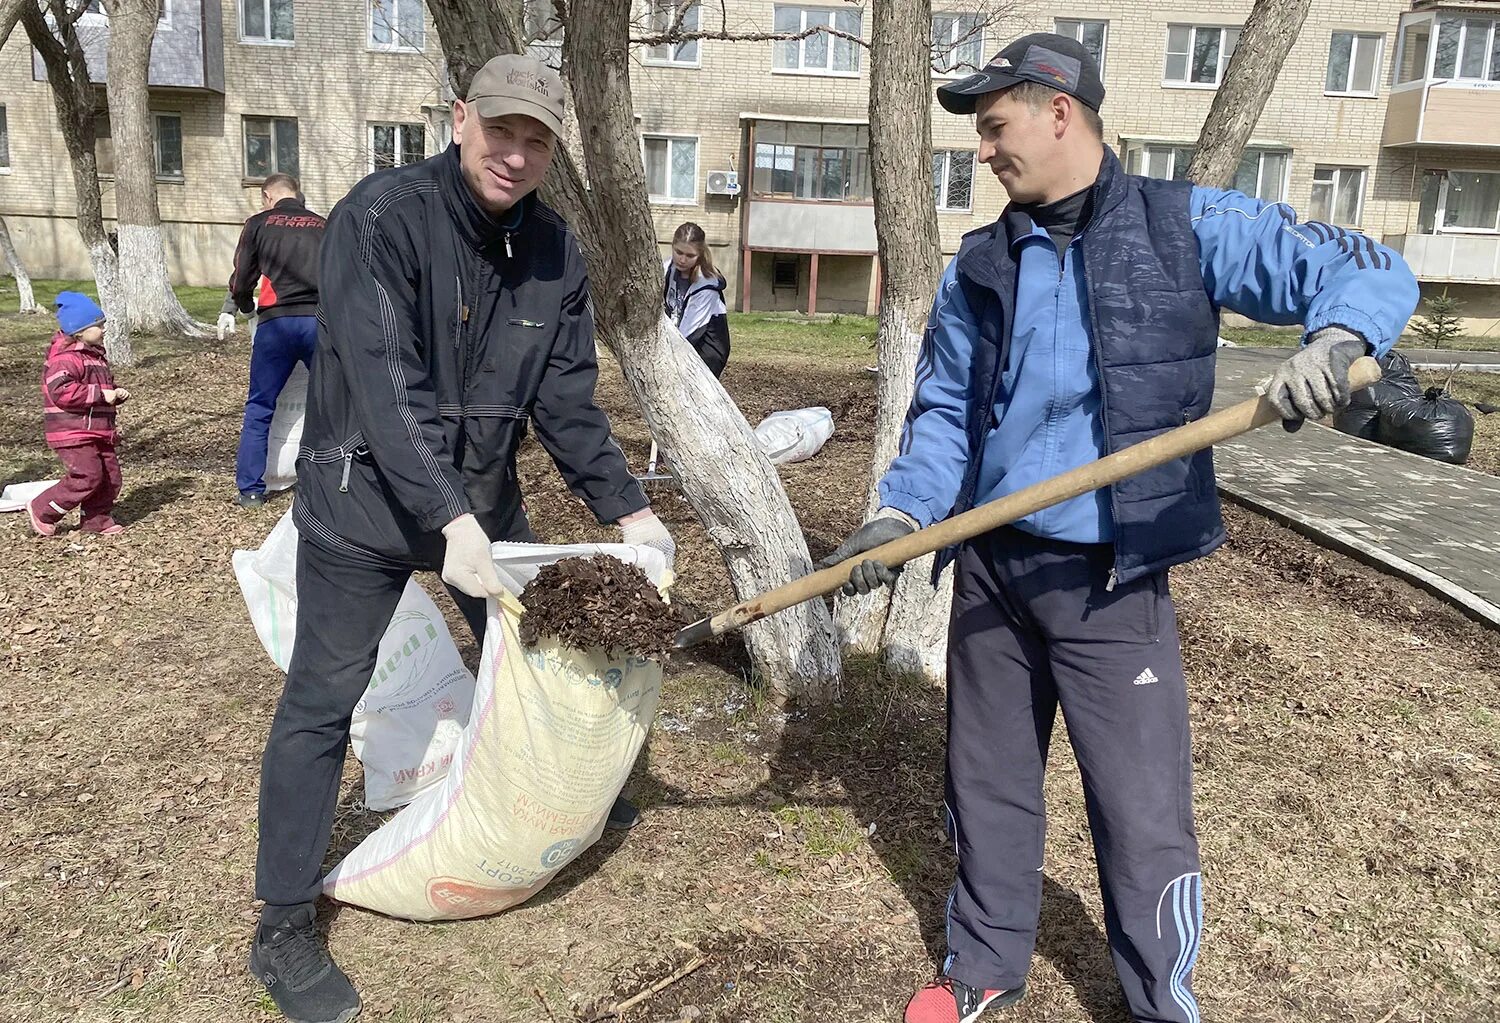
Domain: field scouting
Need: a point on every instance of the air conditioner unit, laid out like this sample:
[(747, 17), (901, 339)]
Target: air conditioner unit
[(723, 183)]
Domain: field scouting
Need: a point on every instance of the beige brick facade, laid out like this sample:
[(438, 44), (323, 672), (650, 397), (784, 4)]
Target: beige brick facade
[(335, 84)]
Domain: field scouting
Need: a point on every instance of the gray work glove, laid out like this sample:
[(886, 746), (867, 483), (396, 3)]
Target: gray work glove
[(650, 532), (1315, 382), (468, 565), (887, 524)]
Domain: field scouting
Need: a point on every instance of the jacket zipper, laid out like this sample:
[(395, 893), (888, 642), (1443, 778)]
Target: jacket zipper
[(344, 480), (508, 254), (1098, 357)]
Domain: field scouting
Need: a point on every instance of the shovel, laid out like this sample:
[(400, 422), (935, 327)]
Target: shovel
[(1174, 444)]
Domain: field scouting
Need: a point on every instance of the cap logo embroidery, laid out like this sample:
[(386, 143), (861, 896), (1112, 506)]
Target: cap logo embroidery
[(528, 80)]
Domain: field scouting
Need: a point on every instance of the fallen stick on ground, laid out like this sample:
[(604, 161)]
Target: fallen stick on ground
[(659, 986)]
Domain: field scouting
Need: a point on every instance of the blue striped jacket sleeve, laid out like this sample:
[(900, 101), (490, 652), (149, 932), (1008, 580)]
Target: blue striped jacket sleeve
[(1257, 260), (924, 479)]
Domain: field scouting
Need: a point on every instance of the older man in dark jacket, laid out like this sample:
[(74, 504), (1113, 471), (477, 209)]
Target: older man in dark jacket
[(455, 311)]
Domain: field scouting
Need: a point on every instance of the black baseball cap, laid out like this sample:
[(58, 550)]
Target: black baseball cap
[(1042, 57)]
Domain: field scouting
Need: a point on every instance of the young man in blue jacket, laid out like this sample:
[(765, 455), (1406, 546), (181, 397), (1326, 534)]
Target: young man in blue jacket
[(1083, 321)]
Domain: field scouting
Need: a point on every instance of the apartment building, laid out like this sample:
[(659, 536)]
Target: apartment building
[(1386, 117)]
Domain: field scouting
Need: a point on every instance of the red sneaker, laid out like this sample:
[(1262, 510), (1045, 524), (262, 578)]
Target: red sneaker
[(42, 528), (945, 1000), (109, 527)]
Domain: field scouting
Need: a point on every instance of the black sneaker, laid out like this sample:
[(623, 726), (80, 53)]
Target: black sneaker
[(622, 816), (306, 985), (250, 499)]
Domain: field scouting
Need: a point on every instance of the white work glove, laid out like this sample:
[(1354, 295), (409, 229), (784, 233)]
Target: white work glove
[(226, 324), (467, 563), (649, 532), (1315, 382)]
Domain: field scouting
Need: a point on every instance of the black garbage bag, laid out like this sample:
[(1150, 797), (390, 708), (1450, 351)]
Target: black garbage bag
[(1434, 424), (1362, 416)]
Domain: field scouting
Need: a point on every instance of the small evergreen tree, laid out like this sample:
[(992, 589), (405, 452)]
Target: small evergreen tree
[(1441, 323)]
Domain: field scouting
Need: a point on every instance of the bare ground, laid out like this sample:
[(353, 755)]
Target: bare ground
[(1347, 753)]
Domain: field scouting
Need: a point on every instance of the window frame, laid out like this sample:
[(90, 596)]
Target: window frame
[(1193, 29), (156, 116), (266, 40), (655, 199), (1260, 170), (656, 7), (401, 128), (1442, 205), (5, 164), (943, 206), (1375, 76), (275, 119), (1333, 185), (1080, 22), (802, 68), (1489, 72), (955, 14), (396, 45)]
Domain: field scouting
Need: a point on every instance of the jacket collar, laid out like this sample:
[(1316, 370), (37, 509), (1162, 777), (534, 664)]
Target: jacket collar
[(474, 223), (981, 250)]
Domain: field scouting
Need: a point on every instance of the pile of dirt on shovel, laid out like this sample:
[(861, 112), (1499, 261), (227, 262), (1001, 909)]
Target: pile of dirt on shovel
[(599, 602)]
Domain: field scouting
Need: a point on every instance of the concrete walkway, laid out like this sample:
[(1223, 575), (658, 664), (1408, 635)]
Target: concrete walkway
[(1433, 524), (1421, 358)]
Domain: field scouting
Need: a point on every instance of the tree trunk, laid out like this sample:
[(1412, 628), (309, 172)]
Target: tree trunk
[(729, 482), (73, 98), (1269, 32), (10, 15), (18, 270), (150, 303), (908, 624)]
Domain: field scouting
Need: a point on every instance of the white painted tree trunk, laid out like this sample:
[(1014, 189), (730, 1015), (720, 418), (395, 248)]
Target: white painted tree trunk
[(18, 270), (149, 304), (739, 498), (106, 266)]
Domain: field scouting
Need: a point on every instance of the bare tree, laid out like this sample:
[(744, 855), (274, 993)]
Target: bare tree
[(1269, 32), (907, 625), (724, 475), (150, 304), (17, 270), (52, 31)]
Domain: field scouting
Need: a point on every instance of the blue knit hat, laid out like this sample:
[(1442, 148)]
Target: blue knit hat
[(76, 312)]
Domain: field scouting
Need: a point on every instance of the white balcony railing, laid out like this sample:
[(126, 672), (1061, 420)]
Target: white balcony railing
[(1460, 258)]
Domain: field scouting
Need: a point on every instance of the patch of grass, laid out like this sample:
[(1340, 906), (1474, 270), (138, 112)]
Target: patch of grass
[(1290, 337), (825, 831), (202, 303), (729, 753), (905, 859), (763, 861), (844, 338), (1483, 717)]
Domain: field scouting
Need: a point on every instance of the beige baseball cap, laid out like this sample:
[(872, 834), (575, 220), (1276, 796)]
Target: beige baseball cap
[(517, 84)]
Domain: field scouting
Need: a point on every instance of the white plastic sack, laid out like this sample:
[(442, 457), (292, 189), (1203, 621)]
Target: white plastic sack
[(549, 745), (15, 497), (286, 431), (408, 723), (795, 435)]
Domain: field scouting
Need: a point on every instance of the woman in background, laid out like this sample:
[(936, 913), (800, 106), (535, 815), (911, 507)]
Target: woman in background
[(693, 296)]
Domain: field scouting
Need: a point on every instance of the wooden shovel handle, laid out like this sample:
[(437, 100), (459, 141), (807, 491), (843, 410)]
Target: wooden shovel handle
[(1174, 444)]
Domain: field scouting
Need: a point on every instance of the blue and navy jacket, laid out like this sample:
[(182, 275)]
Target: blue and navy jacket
[(1032, 365)]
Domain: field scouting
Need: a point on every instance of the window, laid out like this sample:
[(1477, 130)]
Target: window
[(395, 145), (544, 33), (1354, 64), (1158, 161), (270, 147), (785, 271), (827, 162), (671, 168), (953, 178), (1198, 54), (660, 20), (4, 143), (819, 52), (957, 43), (1338, 195), (397, 25), (168, 144), (1090, 33), (1467, 48), (266, 21), (1262, 174), (1411, 64), (1470, 201), (104, 146)]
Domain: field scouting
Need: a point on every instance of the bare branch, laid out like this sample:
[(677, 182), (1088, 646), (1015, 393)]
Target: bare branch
[(746, 37)]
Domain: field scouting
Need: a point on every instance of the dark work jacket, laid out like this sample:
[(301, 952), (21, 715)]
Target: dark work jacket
[(281, 244)]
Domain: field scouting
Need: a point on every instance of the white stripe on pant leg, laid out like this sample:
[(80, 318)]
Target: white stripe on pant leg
[(1188, 927)]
